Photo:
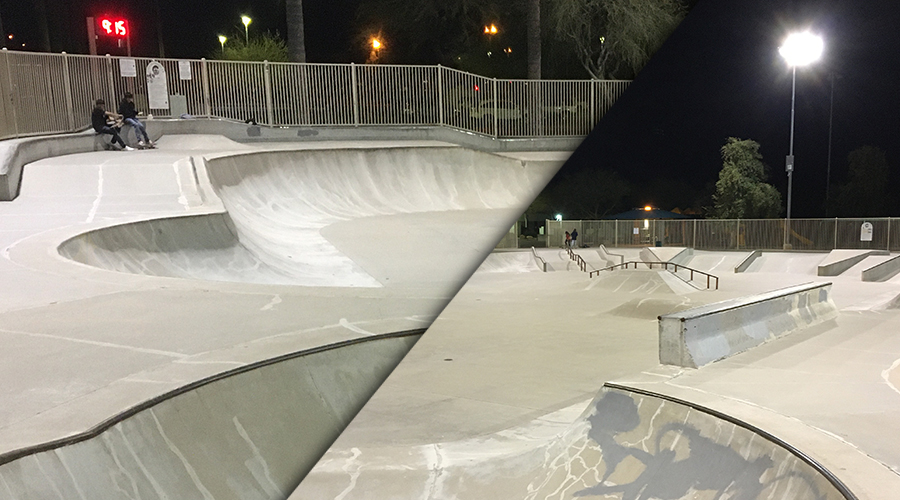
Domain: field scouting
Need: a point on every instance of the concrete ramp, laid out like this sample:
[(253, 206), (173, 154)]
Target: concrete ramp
[(839, 261), (625, 444), (678, 255), (510, 262), (343, 217)]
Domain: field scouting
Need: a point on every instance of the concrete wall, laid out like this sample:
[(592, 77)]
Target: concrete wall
[(16, 153), (251, 434), (699, 336)]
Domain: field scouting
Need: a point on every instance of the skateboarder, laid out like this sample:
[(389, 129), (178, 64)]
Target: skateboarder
[(129, 114)]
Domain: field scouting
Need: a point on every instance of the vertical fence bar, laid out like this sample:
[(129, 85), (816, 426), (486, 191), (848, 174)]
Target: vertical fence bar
[(12, 93), (440, 73), (496, 122), (112, 89), (70, 109), (204, 83), (695, 234), (888, 244), (270, 109), (354, 94), (835, 234)]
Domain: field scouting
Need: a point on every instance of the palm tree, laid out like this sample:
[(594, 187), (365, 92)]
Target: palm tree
[(296, 44)]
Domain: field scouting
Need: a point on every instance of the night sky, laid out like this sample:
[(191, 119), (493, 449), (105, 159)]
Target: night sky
[(719, 75)]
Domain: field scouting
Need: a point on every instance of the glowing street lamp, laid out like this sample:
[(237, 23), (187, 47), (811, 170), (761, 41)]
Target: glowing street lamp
[(800, 49), (376, 44), (222, 40), (246, 20), (490, 30)]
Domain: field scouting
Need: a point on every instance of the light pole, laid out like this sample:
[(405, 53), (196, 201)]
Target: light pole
[(800, 49), (222, 40), (246, 20)]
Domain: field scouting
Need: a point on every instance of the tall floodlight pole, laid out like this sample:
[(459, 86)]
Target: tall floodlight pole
[(800, 49), (246, 20)]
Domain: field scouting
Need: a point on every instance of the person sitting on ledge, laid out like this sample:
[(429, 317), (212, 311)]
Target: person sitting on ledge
[(99, 120), (129, 114)]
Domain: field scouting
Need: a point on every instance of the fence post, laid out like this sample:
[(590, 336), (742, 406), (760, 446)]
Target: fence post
[(594, 103), (12, 92), (695, 235), (112, 88), (889, 234), (496, 123), (68, 89), (355, 93), (616, 234), (737, 235), (440, 95), (204, 82), (835, 233), (267, 77)]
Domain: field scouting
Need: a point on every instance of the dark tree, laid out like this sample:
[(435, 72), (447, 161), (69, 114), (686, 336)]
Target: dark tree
[(742, 191), (295, 32), (865, 194)]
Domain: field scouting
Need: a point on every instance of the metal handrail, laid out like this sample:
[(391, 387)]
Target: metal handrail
[(578, 259), (664, 265)]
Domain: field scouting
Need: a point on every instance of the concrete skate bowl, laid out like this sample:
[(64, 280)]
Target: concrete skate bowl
[(247, 434), (627, 444), (341, 217)]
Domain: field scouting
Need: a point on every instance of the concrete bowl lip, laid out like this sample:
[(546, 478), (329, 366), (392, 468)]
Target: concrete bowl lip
[(96, 430)]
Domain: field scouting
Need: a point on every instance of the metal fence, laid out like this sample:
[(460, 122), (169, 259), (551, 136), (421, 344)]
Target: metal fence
[(52, 93), (721, 234)]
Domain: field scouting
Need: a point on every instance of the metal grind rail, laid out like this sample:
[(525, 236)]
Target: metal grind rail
[(578, 259), (664, 265)]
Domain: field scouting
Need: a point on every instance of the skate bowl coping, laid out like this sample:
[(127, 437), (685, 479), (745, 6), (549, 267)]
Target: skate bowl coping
[(702, 335), (250, 432)]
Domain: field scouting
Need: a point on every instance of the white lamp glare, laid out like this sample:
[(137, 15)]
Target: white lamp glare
[(801, 49)]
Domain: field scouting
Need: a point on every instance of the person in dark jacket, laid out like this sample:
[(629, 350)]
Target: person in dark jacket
[(99, 120), (129, 114)]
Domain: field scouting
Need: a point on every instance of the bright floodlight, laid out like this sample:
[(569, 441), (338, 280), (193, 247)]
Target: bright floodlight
[(246, 20), (801, 49), (559, 217)]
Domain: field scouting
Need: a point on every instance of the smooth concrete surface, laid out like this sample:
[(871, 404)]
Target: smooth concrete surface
[(706, 334), (678, 255), (509, 367), (168, 291), (249, 436), (839, 261), (15, 153)]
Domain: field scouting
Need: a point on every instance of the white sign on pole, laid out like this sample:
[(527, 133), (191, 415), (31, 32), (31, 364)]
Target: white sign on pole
[(157, 87), (637, 231), (127, 67), (866, 231), (184, 70)]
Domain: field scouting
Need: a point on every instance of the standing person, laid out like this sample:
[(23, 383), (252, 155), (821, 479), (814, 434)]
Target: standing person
[(126, 109), (568, 239), (99, 118), (574, 238)]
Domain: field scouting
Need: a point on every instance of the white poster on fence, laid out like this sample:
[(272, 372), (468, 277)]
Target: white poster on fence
[(184, 70), (127, 67), (866, 231), (157, 88)]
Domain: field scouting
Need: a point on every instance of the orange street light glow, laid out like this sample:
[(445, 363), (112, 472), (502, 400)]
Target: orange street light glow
[(376, 44), (491, 30), (648, 208)]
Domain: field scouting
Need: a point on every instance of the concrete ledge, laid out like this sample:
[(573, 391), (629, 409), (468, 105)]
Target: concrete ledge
[(748, 261), (676, 255), (16, 153), (882, 272), (612, 259), (839, 261), (700, 336)]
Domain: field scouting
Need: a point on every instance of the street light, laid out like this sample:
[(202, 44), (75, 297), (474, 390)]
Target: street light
[(222, 40), (246, 20), (800, 49)]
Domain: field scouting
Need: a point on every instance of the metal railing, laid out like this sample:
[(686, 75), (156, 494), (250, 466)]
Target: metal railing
[(52, 93), (730, 234), (665, 266), (577, 258)]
